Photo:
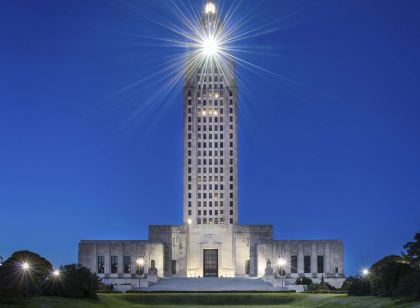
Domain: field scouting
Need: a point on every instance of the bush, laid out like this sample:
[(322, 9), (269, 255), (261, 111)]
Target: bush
[(358, 286), (75, 281), (303, 281)]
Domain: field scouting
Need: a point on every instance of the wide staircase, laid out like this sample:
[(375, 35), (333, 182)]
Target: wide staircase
[(211, 284)]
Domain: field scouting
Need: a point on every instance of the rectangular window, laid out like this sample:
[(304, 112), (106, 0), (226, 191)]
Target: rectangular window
[(307, 264), (173, 267), (127, 264), (320, 264), (114, 264), (101, 264), (293, 264)]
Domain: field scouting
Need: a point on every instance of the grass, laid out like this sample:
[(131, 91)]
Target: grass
[(213, 300)]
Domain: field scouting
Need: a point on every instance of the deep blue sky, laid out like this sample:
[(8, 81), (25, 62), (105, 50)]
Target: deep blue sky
[(335, 154)]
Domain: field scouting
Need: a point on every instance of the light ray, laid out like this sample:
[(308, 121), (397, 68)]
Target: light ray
[(195, 44)]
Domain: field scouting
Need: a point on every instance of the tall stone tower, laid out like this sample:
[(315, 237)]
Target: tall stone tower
[(210, 242), (210, 148)]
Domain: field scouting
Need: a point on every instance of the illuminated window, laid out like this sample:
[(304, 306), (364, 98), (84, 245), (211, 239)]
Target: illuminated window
[(127, 264), (293, 264), (307, 264), (114, 264), (101, 264), (320, 264)]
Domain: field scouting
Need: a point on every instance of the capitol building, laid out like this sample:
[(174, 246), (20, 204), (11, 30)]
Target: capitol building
[(211, 242)]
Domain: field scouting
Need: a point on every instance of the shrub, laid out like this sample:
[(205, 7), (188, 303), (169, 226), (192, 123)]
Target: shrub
[(303, 281), (358, 286), (75, 281)]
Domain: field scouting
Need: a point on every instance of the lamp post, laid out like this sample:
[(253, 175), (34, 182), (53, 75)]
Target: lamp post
[(365, 272), (282, 263), (140, 263), (26, 266), (56, 273)]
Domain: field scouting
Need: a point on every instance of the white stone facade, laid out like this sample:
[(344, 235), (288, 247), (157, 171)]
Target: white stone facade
[(211, 242)]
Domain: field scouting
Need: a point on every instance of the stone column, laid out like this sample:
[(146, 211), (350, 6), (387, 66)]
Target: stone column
[(300, 258), (107, 261), (121, 259), (327, 266), (314, 261), (94, 262)]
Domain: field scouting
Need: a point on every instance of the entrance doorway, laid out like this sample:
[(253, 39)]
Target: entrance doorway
[(210, 262)]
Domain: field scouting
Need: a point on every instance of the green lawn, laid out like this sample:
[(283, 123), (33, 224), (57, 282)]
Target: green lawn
[(168, 300)]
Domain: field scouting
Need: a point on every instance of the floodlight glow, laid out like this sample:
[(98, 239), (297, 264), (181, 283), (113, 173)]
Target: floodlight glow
[(210, 8), (365, 272), (210, 46), (56, 273), (25, 266), (281, 262), (189, 221), (140, 261)]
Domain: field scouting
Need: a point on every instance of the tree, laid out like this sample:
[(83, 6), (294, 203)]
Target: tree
[(387, 274), (409, 286), (322, 280), (24, 274), (412, 254)]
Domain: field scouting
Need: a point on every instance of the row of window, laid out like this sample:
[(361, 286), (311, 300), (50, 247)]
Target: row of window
[(306, 264), (210, 153), (210, 212), (216, 170), (210, 102), (114, 264), (207, 136), (210, 170), (210, 186), (209, 112), (210, 92), (209, 128), (209, 86), (209, 195), (210, 203), (209, 161), (190, 94), (210, 78), (210, 221)]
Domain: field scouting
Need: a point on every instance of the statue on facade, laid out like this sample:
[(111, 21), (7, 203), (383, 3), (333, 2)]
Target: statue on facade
[(268, 269), (152, 269)]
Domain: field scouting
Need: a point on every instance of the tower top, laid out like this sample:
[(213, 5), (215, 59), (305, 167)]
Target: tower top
[(210, 7)]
